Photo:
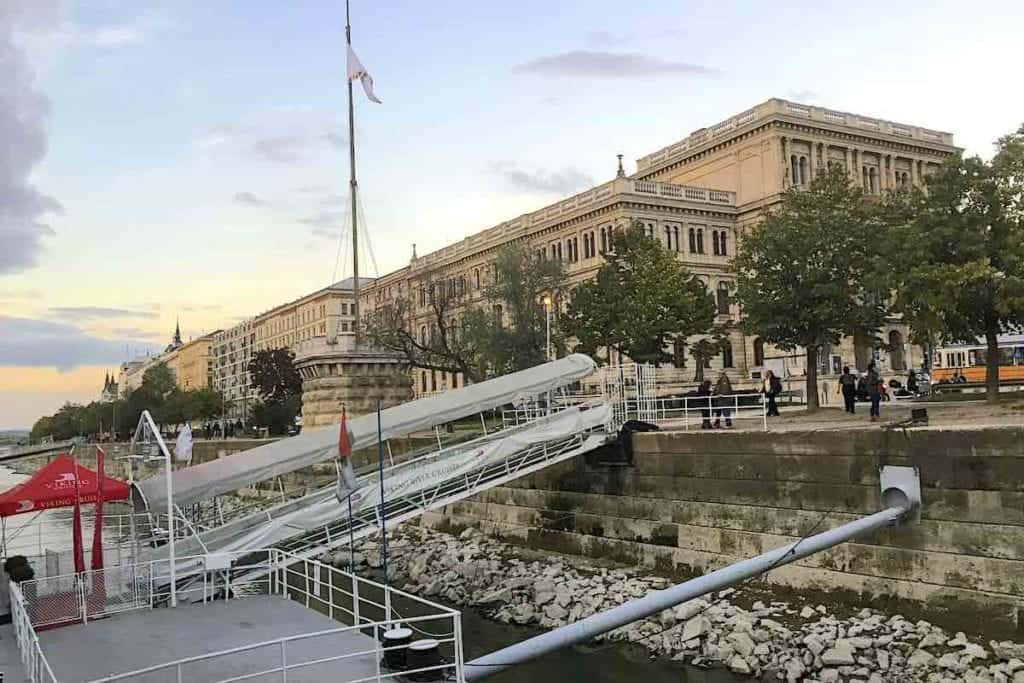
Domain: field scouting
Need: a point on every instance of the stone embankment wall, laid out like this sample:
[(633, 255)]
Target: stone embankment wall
[(695, 502)]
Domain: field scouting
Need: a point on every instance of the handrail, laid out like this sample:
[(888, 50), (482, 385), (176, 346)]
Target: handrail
[(32, 655)]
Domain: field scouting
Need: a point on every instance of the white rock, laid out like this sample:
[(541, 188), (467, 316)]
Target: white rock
[(688, 610), (932, 640), (696, 627), (839, 655), (882, 657), (828, 675), (741, 642), (814, 644), (794, 670), (921, 658), (807, 613), (739, 665), (975, 650)]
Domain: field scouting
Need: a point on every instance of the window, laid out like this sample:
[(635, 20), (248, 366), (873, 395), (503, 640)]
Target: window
[(433, 380), (668, 237), (675, 232), (721, 243), (794, 169), (714, 242), (700, 240), (679, 353), (462, 285), (693, 241), (803, 170), (727, 361), (604, 240), (423, 381), (423, 335), (758, 352), (723, 298)]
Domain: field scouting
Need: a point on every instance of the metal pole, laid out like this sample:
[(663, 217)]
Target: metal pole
[(657, 601), (353, 185), (383, 521)]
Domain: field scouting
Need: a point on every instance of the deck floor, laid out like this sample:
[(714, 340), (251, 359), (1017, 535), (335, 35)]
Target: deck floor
[(10, 658), (144, 638)]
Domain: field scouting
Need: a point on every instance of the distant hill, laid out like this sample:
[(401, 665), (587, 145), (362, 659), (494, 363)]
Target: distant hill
[(14, 435)]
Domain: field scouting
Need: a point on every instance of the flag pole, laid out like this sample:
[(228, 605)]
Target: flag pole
[(353, 185), (383, 521)]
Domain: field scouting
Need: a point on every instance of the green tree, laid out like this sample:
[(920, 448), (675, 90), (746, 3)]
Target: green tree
[(808, 273), (960, 247), (640, 300), (443, 326), (280, 388)]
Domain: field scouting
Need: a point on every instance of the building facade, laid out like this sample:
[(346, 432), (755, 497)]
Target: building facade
[(696, 197), (232, 351), (192, 363), (304, 318)]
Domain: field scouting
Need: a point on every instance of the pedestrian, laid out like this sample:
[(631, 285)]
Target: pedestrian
[(704, 391), (723, 401), (771, 388), (912, 382), (874, 382), (848, 387)]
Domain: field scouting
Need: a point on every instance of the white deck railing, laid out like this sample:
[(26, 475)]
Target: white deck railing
[(364, 607)]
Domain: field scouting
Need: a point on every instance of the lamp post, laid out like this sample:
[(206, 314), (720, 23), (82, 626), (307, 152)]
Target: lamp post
[(547, 310)]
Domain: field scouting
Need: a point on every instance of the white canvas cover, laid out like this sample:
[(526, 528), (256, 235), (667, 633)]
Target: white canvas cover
[(238, 470), (266, 528)]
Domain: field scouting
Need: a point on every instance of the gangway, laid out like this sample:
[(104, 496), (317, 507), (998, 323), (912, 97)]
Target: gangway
[(316, 523)]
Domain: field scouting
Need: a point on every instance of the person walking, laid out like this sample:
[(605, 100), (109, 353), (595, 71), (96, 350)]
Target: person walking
[(874, 381), (723, 401), (848, 387), (771, 388), (704, 391)]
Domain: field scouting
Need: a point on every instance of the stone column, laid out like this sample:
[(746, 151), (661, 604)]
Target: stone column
[(913, 172), (812, 152), (849, 161), (785, 162), (858, 171)]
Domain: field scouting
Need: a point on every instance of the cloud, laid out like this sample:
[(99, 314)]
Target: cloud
[(802, 95), (281, 149), (600, 64), (137, 333), (565, 181), (98, 312), (23, 114), (28, 342), (250, 199), (19, 294)]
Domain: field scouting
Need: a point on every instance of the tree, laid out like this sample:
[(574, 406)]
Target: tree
[(960, 249), (502, 330), (274, 375), (641, 298), (279, 386), (445, 341), (807, 274)]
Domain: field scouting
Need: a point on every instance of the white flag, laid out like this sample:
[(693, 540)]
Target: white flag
[(357, 70), (183, 446)]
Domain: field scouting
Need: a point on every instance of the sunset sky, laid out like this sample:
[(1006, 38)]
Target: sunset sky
[(164, 160)]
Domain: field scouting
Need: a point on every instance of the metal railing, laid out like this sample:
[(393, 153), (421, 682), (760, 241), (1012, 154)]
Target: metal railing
[(37, 668), (701, 411), (365, 607)]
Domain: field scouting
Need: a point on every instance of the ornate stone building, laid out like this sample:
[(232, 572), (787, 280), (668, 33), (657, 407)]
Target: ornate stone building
[(696, 197)]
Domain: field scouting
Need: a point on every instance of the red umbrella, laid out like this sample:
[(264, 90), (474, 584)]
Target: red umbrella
[(53, 486)]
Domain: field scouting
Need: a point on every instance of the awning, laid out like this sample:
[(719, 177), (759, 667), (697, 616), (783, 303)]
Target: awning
[(236, 471), (53, 486)]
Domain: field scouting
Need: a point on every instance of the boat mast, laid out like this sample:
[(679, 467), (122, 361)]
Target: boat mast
[(353, 185)]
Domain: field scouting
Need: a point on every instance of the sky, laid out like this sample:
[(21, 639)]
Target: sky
[(187, 160)]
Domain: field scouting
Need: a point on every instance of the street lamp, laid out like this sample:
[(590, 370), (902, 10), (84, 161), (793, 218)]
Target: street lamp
[(547, 310)]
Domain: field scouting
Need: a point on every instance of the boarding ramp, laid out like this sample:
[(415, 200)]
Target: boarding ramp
[(318, 522)]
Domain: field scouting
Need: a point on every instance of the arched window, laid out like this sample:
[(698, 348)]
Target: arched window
[(700, 240), (423, 381), (714, 242), (423, 335), (803, 170), (727, 361), (604, 240), (794, 167), (758, 352), (668, 237), (723, 298), (873, 181), (675, 231), (896, 359), (693, 241), (865, 183), (723, 250)]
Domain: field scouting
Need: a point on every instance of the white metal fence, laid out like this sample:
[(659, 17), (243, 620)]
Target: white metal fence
[(364, 607)]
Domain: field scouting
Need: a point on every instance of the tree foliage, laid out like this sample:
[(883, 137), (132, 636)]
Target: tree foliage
[(158, 394), (501, 329), (279, 385), (960, 250), (809, 273), (641, 298)]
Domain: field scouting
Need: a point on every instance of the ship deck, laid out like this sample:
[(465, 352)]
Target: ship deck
[(144, 638)]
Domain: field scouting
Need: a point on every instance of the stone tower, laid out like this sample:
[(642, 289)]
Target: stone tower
[(336, 372)]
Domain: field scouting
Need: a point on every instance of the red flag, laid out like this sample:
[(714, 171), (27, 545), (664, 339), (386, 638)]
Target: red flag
[(76, 526), (344, 447), (97, 531)]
